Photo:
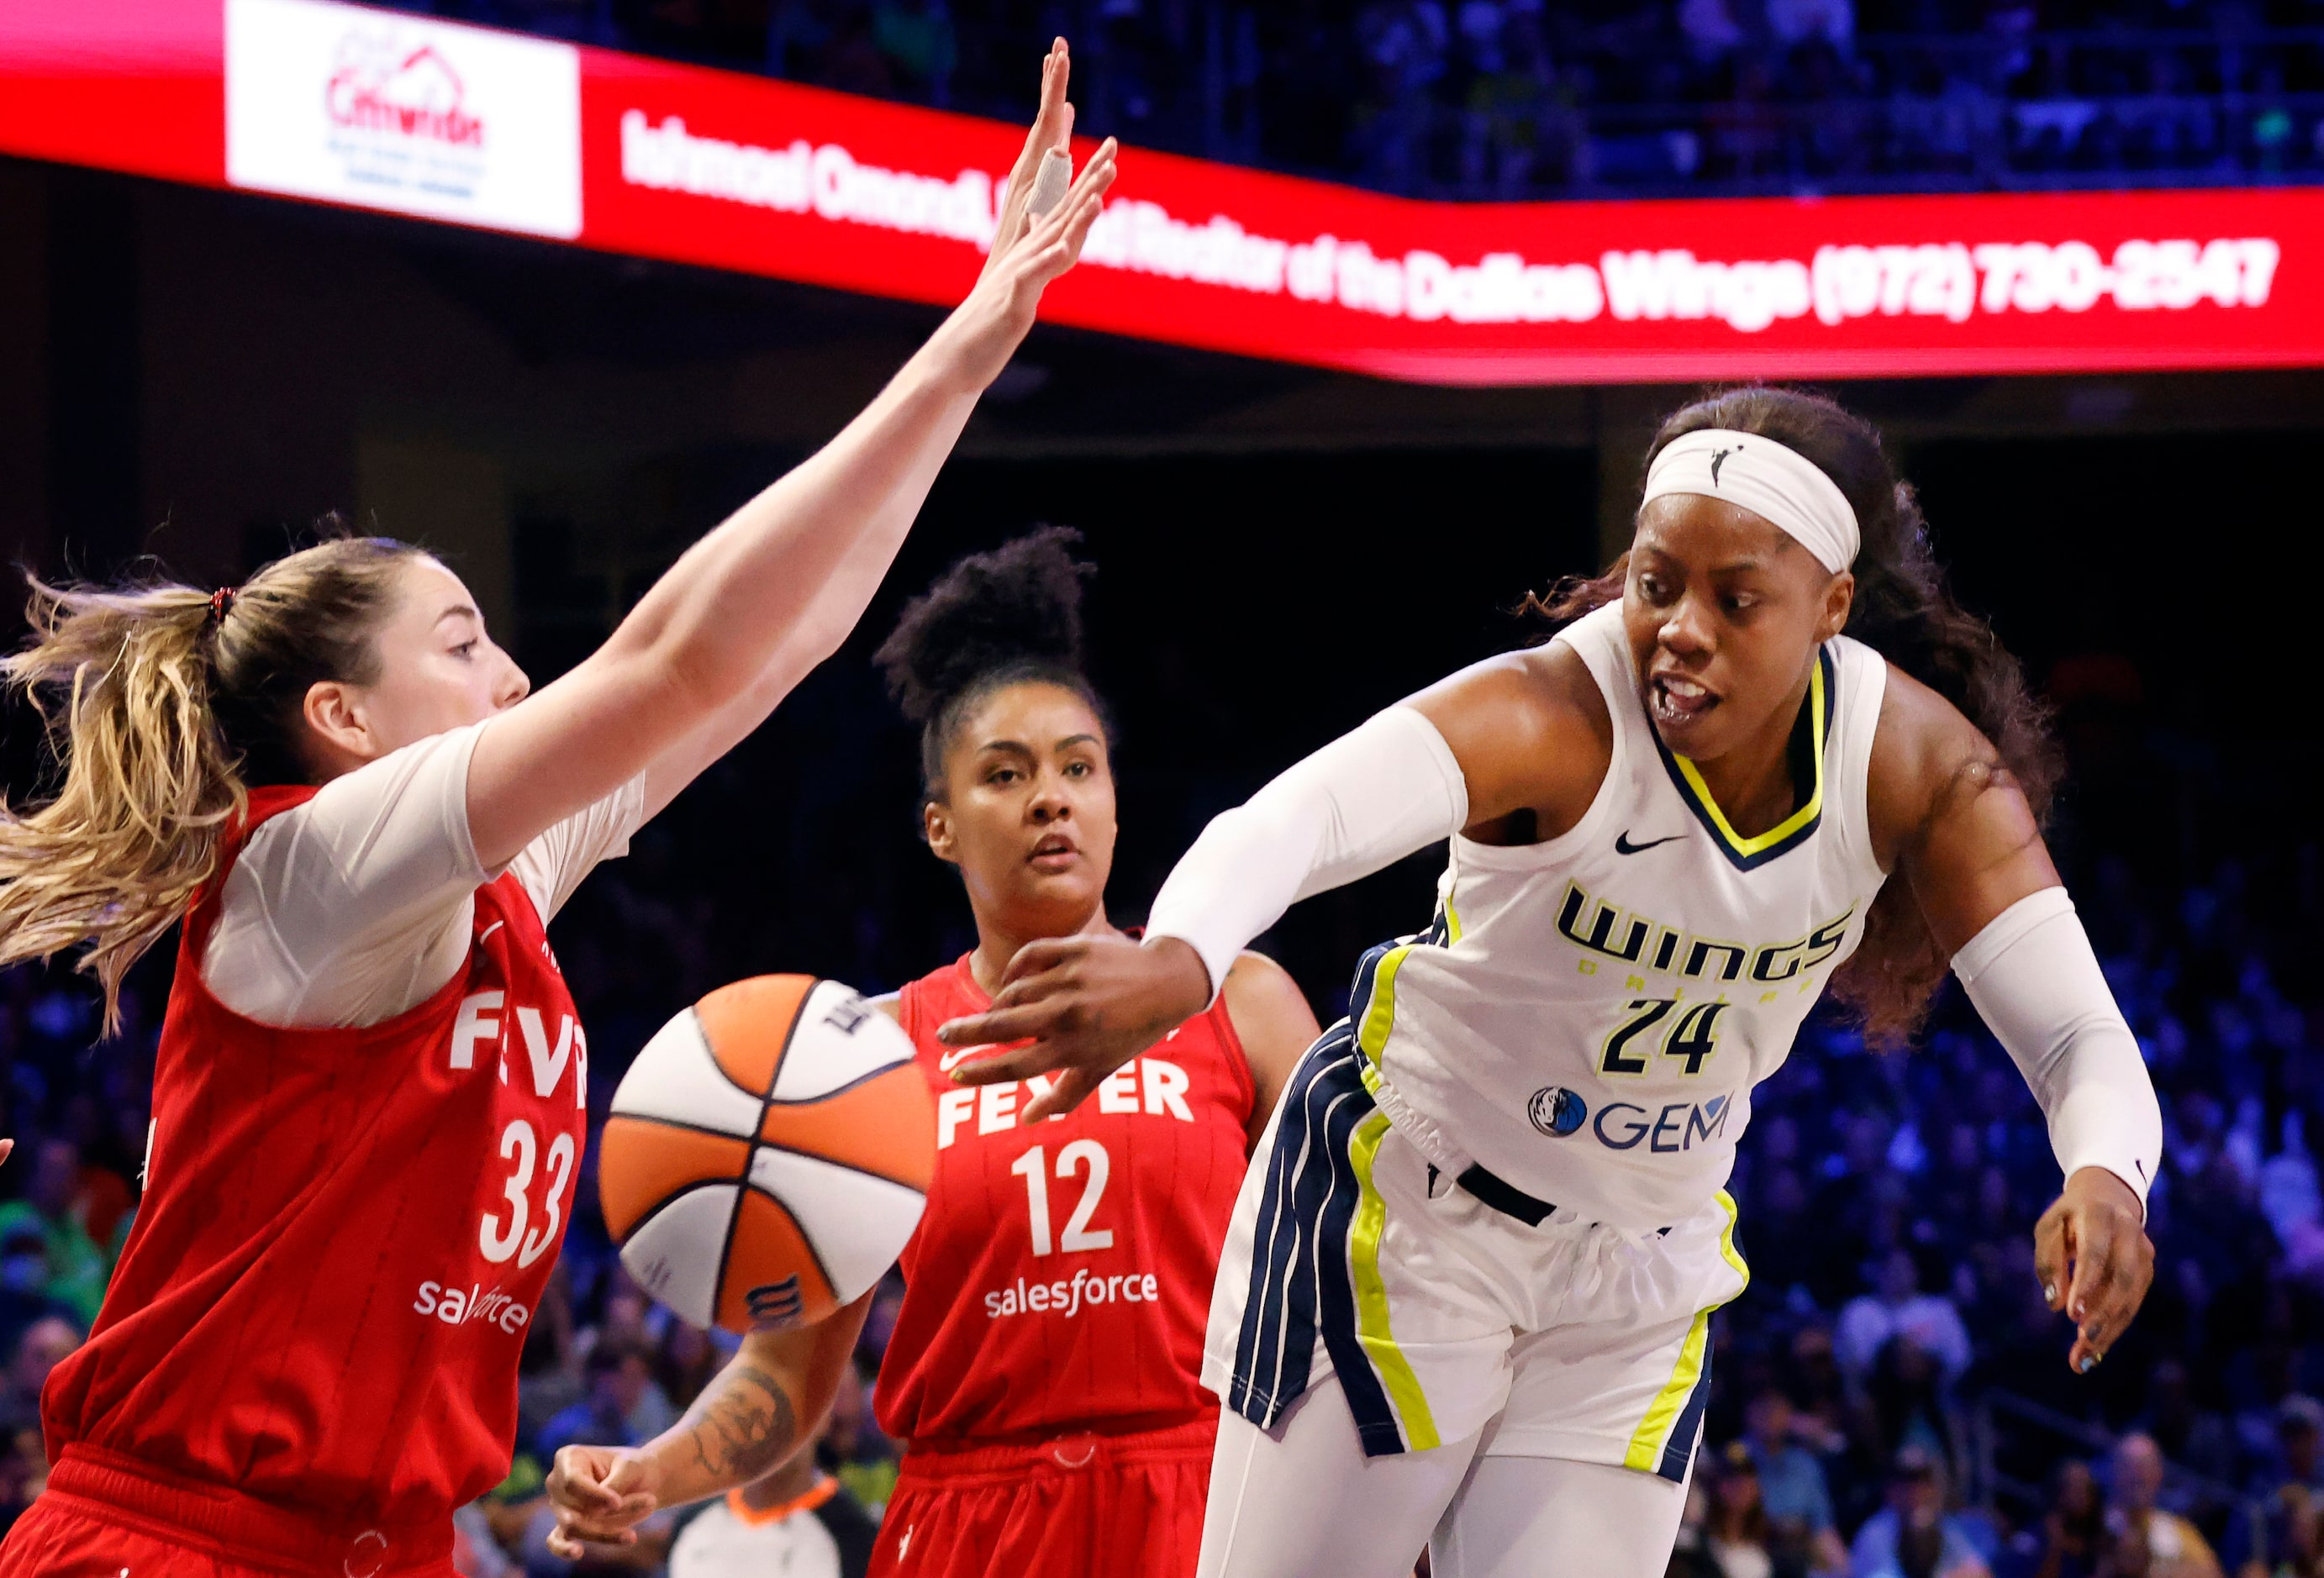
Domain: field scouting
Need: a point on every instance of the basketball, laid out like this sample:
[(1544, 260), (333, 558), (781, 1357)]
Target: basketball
[(768, 1154)]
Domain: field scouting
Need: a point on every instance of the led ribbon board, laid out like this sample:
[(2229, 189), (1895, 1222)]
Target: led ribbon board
[(374, 109)]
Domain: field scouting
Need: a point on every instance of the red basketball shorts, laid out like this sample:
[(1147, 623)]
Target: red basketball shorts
[(103, 1516), (1080, 1506)]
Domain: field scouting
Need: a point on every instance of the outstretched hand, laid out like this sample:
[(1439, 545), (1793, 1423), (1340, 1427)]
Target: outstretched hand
[(1085, 1006), (1029, 250), (600, 1496), (2095, 1260)]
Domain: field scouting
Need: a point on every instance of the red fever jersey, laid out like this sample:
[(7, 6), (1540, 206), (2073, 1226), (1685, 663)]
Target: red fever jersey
[(1061, 1277), (344, 1236)]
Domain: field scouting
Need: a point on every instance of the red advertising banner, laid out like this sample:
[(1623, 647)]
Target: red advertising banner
[(377, 109)]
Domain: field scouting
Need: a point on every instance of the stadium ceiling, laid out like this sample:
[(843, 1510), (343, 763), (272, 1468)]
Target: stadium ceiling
[(443, 121)]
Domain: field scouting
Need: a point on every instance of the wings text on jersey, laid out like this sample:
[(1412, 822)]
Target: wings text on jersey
[(1605, 930)]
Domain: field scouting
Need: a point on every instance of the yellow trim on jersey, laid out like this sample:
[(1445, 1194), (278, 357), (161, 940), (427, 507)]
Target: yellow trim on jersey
[(1372, 1330), (1791, 825), (1647, 1444), (1726, 1250), (1452, 920), (1653, 1434), (1379, 1013)]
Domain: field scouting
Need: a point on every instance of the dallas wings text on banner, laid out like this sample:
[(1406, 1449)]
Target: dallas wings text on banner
[(340, 104)]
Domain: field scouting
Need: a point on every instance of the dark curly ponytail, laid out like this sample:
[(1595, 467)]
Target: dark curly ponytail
[(994, 620), (1904, 611)]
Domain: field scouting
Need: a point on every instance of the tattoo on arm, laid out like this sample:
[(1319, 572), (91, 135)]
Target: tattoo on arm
[(745, 1426)]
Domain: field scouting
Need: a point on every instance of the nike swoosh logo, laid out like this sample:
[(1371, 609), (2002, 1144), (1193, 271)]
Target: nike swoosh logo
[(1622, 845), (947, 1061)]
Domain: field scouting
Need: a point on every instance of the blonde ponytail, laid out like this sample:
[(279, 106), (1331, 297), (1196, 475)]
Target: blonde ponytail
[(161, 703)]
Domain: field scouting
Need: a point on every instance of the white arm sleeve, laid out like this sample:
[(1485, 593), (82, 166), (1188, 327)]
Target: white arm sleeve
[(1370, 797), (355, 906), (2036, 980)]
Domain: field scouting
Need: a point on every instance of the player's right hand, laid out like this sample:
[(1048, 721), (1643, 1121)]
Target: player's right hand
[(1087, 1006), (600, 1494)]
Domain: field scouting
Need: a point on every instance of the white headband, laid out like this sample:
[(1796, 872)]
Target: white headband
[(1765, 478)]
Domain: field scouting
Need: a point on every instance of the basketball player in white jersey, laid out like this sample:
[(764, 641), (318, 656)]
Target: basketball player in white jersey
[(1466, 1299)]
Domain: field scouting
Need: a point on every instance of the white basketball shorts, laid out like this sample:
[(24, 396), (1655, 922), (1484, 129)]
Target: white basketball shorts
[(1348, 1255)]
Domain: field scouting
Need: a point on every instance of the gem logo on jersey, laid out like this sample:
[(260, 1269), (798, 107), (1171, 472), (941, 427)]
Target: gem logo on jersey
[(1556, 1111), (1675, 1126)]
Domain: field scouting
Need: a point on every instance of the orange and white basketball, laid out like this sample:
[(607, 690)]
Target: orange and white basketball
[(768, 1153)]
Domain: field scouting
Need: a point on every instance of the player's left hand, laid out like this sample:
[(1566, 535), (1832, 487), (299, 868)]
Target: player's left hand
[(1086, 1006), (2095, 1260), (600, 1493)]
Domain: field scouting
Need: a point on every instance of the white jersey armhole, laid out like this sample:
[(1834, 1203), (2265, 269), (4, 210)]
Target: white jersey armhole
[(1862, 678), (1596, 638), (358, 905)]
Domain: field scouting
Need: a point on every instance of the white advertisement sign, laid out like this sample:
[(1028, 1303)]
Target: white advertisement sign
[(402, 113)]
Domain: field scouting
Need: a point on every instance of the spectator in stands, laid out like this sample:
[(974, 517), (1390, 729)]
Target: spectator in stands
[(24, 1296), (1801, 1529), (23, 1461), (78, 1268), (2299, 1435), (1691, 1554), (44, 1345), (863, 1458), (1906, 1404), (619, 1372), (2291, 1499), (1914, 1536), (2070, 1541), (2172, 1546), (2295, 1523), (689, 1357), (2195, 1437), (1899, 1308), (1735, 1530)]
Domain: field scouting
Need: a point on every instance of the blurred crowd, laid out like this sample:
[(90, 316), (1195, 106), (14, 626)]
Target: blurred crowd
[(1519, 98)]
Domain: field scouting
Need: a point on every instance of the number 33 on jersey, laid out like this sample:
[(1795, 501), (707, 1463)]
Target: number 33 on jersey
[(1062, 1272)]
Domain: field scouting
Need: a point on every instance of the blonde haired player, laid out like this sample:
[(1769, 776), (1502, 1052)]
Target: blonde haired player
[(1466, 1299), (369, 1091)]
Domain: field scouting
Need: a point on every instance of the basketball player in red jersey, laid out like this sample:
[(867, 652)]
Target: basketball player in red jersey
[(1045, 1372), (369, 1091)]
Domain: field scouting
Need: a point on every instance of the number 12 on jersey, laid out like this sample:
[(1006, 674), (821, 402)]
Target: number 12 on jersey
[(1033, 1167)]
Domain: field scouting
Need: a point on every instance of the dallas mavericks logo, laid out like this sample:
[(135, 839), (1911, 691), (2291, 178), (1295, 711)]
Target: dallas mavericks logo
[(1556, 1111), (777, 1304)]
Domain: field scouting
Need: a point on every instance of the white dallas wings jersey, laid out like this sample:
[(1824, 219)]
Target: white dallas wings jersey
[(1588, 1016)]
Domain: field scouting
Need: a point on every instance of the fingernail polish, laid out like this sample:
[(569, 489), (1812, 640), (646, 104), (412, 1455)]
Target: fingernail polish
[(2089, 1363), (2049, 1292)]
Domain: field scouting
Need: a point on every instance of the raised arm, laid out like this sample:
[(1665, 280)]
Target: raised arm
[(1514, 737), (753, 1414), (1948, 818), (746, 611)]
